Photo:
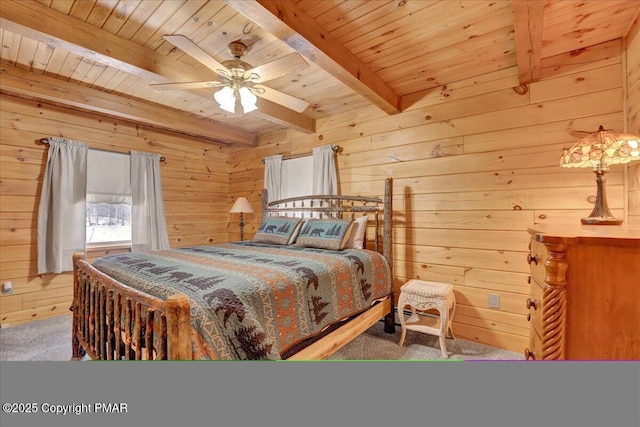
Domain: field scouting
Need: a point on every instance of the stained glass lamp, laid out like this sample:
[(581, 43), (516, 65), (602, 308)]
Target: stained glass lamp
[(599, 150)]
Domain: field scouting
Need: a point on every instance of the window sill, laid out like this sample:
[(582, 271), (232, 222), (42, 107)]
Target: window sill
[(100, 249)]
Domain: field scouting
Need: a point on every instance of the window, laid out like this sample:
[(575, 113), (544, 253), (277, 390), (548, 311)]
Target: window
[(108, 223), (108, 218), (297, 177)]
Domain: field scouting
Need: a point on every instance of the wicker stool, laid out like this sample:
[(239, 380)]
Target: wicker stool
[(421, 295)]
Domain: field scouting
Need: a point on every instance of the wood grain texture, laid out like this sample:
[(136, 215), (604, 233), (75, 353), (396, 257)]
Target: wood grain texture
[(590, 306), (381, 56), (461, 209), (194, 178), (470, 140), (632, 114)]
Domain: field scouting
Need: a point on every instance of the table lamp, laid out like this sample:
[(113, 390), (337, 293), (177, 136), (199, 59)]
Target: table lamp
[(599, 150), (241, 205)]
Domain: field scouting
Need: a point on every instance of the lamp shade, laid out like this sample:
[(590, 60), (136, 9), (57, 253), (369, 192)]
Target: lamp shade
[(241, 205), (236, 101), (248, 100), (226, 99), (601, 149)]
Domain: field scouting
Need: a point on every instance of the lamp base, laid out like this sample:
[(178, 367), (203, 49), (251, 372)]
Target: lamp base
[(601, 220), (600, 214)]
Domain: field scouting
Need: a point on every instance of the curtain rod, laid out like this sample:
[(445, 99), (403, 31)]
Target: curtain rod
[(46, 142), (336, 149)]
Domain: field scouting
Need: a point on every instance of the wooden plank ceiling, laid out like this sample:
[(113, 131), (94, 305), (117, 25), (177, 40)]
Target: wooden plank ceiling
[(101, 55)]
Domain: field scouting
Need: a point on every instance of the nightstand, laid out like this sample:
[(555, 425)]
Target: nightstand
[(421, 295)]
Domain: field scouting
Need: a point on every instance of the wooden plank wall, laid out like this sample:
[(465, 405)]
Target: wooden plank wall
[(473, 165), (194, 179), (633, 115)]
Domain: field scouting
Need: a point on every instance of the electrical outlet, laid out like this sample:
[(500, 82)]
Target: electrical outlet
[(494, 301), (7, 288)]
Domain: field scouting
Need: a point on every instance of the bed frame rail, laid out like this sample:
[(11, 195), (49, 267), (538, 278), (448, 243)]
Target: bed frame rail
[(112, 321)]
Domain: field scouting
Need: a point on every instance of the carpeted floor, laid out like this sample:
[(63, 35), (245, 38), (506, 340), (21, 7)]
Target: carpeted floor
[(375, 344), (50, 340)]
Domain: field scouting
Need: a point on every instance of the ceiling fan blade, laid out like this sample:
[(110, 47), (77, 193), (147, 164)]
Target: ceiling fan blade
[(185, 85), (281, 98), (191, 49), (280, 67)]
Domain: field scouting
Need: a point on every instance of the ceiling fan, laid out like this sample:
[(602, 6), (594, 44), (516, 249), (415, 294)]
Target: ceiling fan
[(241, 83)]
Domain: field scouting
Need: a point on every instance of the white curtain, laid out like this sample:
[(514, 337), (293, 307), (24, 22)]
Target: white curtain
[(325, 179), (148, 223), (273, 176), (62, 211)]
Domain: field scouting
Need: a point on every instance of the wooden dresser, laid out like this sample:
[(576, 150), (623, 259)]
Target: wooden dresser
[(585, 292)]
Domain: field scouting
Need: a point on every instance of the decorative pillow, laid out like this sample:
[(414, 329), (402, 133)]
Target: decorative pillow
[(325, 233), (356, 237), (277, 230), (296, 232)]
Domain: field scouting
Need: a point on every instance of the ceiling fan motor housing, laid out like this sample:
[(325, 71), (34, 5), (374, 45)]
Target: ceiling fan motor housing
[(237, 67), (237, 49)]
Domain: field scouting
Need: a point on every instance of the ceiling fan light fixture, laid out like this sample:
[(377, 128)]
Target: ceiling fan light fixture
[(248, 100), (226, 99)]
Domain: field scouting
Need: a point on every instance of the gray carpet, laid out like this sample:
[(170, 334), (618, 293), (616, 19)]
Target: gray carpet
[(47, 339), (375, 344), (50, 340)]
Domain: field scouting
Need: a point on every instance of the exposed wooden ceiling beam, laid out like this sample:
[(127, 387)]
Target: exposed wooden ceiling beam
[(41, 23), (634, 25), (291, 24), (24, 83), (285, 116), (528, 16)]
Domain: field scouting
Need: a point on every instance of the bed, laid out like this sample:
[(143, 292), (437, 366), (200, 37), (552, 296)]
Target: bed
[(243, 300)]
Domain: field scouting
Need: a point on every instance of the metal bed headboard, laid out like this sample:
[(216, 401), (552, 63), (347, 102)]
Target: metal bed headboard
[(339, 207)]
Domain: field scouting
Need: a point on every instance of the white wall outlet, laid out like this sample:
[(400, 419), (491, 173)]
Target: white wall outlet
[(494, 301), (7, 288)]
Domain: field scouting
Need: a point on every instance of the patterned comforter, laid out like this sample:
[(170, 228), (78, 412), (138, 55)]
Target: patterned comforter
[(254, 301)]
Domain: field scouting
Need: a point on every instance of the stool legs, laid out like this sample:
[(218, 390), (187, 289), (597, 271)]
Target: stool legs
[(444, 328), (403, 325), (403, 334), (452, 311), (446, 315)]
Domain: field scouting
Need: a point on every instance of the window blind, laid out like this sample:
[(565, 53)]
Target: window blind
[(108, 177)]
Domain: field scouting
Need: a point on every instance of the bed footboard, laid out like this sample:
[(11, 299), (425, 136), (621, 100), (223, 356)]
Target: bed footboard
[(112, 321)]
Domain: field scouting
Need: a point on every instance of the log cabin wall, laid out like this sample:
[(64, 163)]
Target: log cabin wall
[(473, 165), (633, 115), (194, 180)]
